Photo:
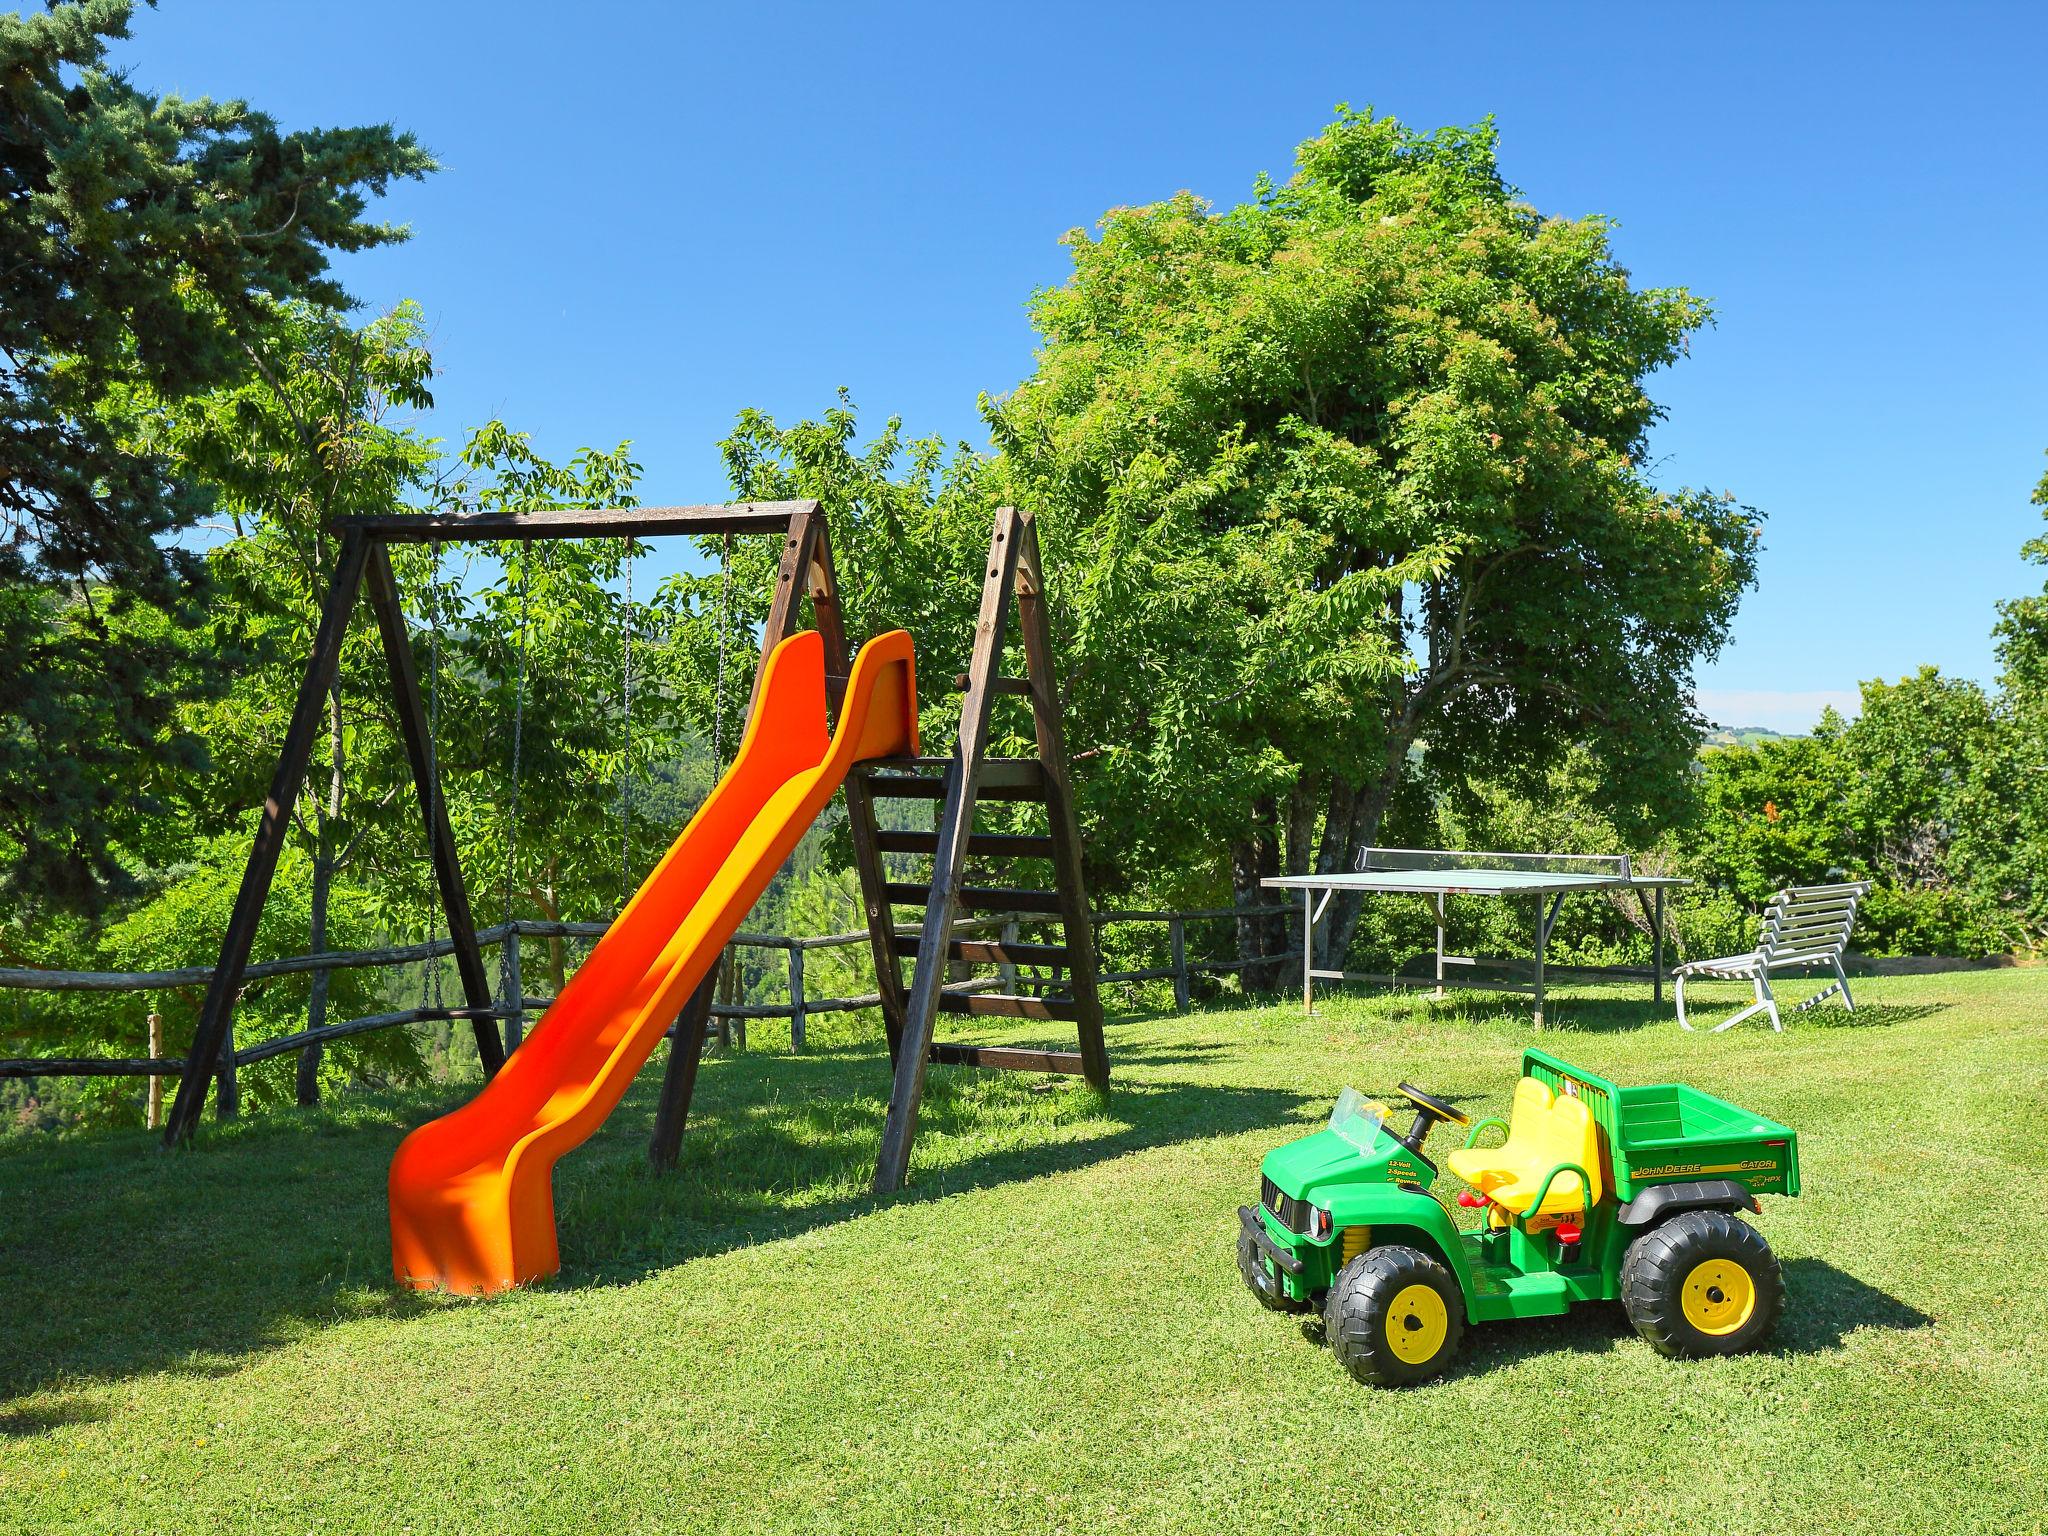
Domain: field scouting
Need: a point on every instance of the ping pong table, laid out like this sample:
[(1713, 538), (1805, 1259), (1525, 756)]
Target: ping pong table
[(1546, 879)]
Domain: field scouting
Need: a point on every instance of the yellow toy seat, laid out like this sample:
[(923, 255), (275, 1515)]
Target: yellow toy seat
[(1512, 1173), (1485, 1167)]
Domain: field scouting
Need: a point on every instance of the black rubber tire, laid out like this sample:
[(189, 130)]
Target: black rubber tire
[(1653, 1276), (1260, 1280), (1357, 1313)]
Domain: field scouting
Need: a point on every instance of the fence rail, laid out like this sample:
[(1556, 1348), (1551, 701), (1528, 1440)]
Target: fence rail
[(799, 1009)]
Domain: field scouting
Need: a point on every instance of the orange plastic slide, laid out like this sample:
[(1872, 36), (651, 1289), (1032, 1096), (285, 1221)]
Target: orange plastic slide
[(472, 1194)]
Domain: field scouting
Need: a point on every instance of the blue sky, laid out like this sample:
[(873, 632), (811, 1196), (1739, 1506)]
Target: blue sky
[(653, 215)]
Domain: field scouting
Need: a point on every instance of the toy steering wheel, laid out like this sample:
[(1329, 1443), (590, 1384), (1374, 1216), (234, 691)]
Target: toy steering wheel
[(1432, 1106), (1429, 1109)]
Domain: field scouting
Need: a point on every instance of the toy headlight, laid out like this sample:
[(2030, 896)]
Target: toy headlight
[(1320, 1226)]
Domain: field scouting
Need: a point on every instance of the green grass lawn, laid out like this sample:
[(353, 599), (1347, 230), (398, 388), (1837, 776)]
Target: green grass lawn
[(1047, 1332)]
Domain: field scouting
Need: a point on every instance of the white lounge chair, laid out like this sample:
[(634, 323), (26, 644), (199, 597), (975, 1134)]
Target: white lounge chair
[(1804, 927)]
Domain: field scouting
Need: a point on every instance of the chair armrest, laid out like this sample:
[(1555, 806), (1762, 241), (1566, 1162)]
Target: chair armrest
[(1735, 965), (1535, 1206), (1482, 1127)]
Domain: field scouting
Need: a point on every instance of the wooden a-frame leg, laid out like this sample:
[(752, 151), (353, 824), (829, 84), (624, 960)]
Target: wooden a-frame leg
[(956, 823), (679, 1078), (1069, 879), (419, 750), (202, 1061), (860, 808)]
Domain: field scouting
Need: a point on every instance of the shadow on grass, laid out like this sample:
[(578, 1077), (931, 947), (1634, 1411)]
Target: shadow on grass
[(128, 1262), (1866, 1016), (1571, 1013), (793, 1148), (1823, 1306), (44, 1417)]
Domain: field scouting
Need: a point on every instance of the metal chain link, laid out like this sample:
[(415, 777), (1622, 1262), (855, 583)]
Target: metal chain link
[(508, 950), (718, 694), (430, 983), (626, 761)]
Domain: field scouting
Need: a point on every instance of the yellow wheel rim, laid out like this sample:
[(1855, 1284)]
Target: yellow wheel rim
[(1718, 1297), (1417, 1323)]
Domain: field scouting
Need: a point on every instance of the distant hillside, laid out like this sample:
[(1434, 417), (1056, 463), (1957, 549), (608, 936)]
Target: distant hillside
[(1741, 735)]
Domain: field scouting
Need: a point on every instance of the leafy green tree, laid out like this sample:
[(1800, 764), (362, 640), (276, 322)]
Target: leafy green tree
[(2021, 781), (1776, 814), (180, 925), (1352, 466), (1915, 751), (1347, 469), (143, 240), (1901, 797), (572, 764), (315, 432)]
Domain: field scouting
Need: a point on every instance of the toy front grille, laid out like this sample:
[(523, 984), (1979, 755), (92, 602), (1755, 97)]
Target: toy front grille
[(1293, 1213)]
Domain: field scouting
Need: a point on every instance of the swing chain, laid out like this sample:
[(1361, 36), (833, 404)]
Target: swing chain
[(430, 983), (508, 952), (626, 761), (718, 693)]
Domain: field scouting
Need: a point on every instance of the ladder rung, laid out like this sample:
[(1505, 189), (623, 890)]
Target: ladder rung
[(979, 898), (1008, 1057), (994, 772), (990, 951), (897, 786), (1004, 1005), (1008, 773), (1006, 845), (995, 684), (903, 786)]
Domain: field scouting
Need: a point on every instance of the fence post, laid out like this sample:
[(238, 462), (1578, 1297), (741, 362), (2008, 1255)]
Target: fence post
[(512, 989), (227, 1101), (306, 1065), (154, 1117), (796, 998), (1177, 936), (1007, 970), (729, 1028)]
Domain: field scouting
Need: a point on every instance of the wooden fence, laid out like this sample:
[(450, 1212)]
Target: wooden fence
[(513, 1005)]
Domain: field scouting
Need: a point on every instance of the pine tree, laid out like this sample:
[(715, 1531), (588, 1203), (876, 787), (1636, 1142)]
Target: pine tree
[(142, 239)]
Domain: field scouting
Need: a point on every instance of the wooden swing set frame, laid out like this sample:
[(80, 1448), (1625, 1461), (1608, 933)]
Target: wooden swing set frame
[(957, 782)]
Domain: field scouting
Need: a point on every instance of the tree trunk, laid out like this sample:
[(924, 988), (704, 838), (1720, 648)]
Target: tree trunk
[(1334, 855), (1283, 929), (1272, 925), (323, 881), (543, 896), (1245, 894), (1368, 809), (1259, 938)]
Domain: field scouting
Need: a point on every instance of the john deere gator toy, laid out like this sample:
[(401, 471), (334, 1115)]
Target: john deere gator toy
[(1598, 1193)]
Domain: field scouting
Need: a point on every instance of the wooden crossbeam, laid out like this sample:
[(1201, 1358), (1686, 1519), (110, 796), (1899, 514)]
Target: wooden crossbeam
[(571, 523)]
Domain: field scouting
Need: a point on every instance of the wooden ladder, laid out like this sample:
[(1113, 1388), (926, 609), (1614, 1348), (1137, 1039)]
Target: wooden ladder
[(963, 780)]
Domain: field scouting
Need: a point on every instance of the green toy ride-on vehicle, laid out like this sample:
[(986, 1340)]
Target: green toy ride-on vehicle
[(1598, 1193)]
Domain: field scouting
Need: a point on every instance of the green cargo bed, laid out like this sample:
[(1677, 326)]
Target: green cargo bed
[(1665, 1133)]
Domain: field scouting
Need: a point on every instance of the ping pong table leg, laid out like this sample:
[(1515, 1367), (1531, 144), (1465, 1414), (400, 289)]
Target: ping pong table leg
[(1308, 952), (1542, 942), (1439, 944), (1657, 950)]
